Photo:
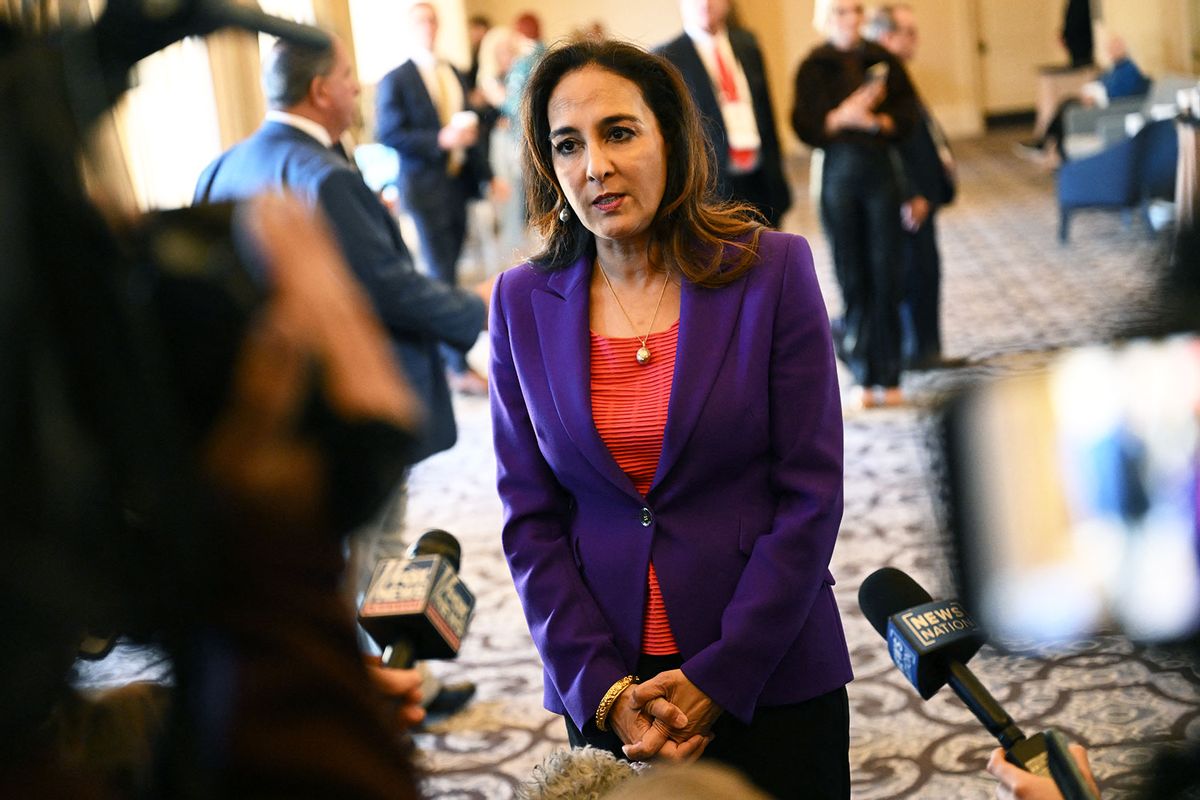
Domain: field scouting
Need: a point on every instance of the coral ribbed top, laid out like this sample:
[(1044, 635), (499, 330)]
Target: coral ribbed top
[(629, 407)]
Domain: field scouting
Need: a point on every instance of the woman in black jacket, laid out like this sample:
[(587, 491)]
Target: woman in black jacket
[(854, 100)]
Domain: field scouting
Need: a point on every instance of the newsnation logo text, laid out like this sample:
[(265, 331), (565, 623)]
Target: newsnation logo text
[(933, 621)]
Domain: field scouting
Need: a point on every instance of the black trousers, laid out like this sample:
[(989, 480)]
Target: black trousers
[(438, 205), (921, 308), (794, 751), (1056, 130), (860, 211)]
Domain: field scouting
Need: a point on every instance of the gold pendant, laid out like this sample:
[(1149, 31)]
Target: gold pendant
[(643, 355)]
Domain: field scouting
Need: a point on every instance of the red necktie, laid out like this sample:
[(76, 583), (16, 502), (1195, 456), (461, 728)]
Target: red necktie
[(741, 160), (725, 76)]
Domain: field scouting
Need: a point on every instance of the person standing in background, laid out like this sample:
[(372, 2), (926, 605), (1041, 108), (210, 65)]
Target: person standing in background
[(313, 97), (422, 112), (1076, 34), (477, 28), (723, 68), (853, 100), (930, 171), (526, 48)]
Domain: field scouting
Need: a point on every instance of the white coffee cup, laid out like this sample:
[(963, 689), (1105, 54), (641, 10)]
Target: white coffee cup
[(464, 119)]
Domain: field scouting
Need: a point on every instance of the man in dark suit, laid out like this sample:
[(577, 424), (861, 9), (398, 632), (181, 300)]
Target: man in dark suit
[(312, 97), (723, 67), (422, 112), (929, 169)]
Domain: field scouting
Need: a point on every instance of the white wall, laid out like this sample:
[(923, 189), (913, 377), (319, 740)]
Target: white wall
[(1156, 31), (647, 22), (380, 34)]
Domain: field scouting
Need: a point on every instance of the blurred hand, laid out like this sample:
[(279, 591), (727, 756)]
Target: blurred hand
[(870, 94), (452, 136), (484, 290), (313, 290), (1017, 784), (501, 190), (402, 686), (270, 477), (857, 112), (914, 213)]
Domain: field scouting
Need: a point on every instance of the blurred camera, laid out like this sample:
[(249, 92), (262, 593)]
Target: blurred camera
[(1073, 494)]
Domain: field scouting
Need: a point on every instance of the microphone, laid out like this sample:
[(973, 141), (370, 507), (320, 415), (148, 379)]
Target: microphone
[(417, 607), (97, 61), (929, 641), (130, 30)]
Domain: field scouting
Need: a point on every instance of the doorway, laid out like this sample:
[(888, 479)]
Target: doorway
[(1016, 38)]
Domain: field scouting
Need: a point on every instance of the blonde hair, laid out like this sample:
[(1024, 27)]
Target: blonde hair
[(581, 773)]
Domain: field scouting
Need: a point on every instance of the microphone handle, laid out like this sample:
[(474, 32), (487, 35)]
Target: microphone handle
[(1030, 754), (985, 707), (1066, 773), (400, 654)]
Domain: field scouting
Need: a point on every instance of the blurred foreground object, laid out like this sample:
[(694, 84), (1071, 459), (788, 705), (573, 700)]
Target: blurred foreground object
[(1074, 494), (210, 530)]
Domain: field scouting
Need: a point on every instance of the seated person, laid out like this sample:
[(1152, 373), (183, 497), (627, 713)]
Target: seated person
[(1122, 79)]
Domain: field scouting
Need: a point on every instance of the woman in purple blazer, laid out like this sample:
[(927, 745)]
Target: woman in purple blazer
[(669, 441)]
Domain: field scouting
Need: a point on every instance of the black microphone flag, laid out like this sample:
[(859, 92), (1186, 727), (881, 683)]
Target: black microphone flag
[(417, 607), (939, 627)]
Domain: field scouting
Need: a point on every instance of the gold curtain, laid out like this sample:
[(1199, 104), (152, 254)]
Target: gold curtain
[(1187, 185), (233, 58), (334, 16)]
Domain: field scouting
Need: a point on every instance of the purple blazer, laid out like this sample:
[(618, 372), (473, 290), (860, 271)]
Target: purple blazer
[(743, 513)]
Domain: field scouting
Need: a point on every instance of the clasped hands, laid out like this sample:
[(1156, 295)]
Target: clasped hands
[(668, 717)]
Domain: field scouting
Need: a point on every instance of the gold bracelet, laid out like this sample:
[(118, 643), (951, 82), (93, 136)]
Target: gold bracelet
[(610, 697)]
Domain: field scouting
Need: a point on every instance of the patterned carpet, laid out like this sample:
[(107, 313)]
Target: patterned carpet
[(1012, 294)]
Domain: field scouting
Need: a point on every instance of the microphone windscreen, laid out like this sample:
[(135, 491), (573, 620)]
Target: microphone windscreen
[(226, 13), (436, 542), (888, 591)]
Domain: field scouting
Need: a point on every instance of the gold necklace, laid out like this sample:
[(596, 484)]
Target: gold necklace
[(643, 353)]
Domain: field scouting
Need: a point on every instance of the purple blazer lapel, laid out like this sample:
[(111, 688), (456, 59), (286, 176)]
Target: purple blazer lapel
[(706, 323), (561, 315)]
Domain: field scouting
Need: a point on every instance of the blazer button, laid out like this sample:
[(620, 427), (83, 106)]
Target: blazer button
[(646, 518)]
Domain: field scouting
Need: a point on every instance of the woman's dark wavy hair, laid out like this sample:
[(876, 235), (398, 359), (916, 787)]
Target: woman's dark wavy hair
[(692, 230)]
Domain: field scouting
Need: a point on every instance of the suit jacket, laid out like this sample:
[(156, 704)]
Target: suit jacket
[(740, 519), (406, 119), (923, 167), (416, 310), (682, 53)]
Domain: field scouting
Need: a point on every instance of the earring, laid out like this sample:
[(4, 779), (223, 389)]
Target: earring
[(565, 214)]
